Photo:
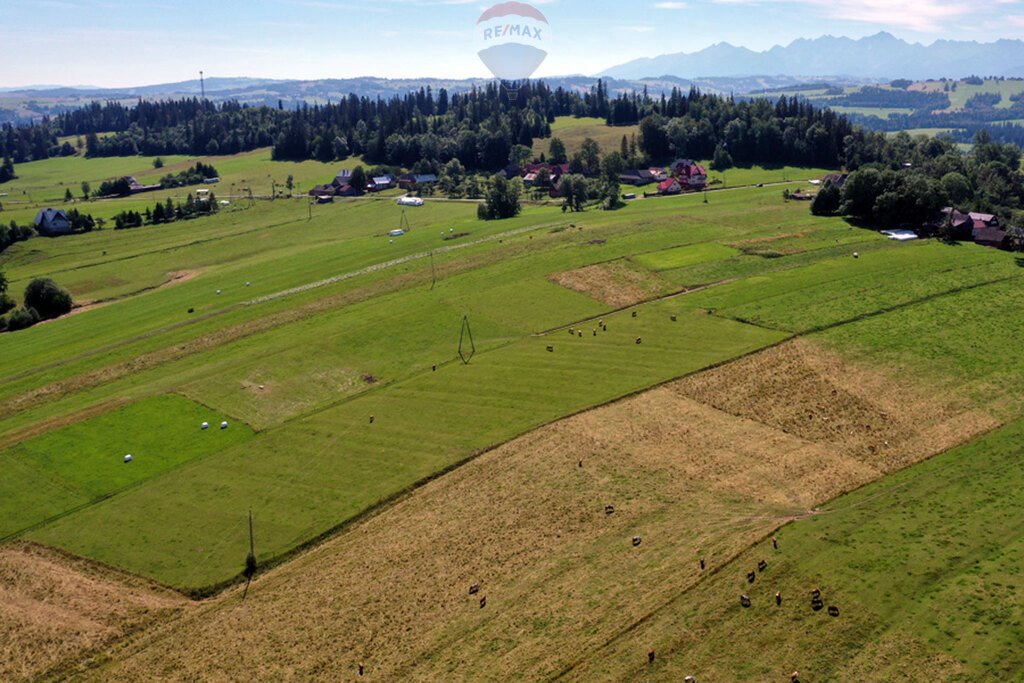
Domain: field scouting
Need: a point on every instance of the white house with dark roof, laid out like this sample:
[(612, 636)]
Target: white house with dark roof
[(52, 222)]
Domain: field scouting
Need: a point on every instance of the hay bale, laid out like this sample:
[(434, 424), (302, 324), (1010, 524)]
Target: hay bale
[(675, 318), (128, 458), (204, 426), (745, 600), (637, 541), (551, 349), (224, 425)]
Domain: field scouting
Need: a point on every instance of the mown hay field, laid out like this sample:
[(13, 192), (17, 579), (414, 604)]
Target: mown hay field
[(528, 523)]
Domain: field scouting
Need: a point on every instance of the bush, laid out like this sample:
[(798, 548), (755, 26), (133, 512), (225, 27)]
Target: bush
[(22, 318), (6, 303), (501, 201), (826, 203), (47, 298)]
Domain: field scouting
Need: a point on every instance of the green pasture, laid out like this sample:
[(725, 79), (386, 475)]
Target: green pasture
[(679, 257), (59, 471), (924, 566), (844, 288), (573, 131), (323, 321), (880, 112), (311, 474), (963, 341)]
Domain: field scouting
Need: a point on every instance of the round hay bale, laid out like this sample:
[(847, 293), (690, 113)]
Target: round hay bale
[(745, 601), (675, 318), (689, 679), (856, 254), (224, 425), (205, 425), (218, 291), (128, 458), (248, 284), (637, 541)]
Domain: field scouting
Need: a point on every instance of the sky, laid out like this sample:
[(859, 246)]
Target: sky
[(117, 43)]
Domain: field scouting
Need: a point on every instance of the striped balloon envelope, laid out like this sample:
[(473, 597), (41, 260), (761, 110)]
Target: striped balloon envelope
[(512, 37)]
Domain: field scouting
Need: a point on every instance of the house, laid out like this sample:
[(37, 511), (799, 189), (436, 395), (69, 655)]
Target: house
[(801, 196), (837, 179), (658, 174), (669, 186), (983, 220), (345, 190), (961, 224), (343, 178), (690, 174), (383, 182), (52, 222)]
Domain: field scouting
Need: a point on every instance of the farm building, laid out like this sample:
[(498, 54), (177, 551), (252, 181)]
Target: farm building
[(52, 222), (992, 237), (837, 179), (669, 186), (637, 177), (136, 187), (410, 181), (383, 182)]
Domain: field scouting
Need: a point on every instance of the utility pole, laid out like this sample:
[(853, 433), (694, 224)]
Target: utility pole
[(202, 84)]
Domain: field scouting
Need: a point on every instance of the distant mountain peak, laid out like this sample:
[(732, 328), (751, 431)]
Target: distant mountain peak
[(879, 56)]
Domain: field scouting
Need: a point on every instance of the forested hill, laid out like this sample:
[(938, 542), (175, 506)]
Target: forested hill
[(480, 128)]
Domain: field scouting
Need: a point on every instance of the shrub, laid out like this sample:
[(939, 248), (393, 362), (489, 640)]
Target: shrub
[(47, 298), (22, 318)]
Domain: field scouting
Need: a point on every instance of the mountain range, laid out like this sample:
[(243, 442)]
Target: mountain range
[(881, 56)]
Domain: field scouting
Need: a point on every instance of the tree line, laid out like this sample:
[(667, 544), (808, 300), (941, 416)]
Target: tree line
[(166, 212), (924, 175)]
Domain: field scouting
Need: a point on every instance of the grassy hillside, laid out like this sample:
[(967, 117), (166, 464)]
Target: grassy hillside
[(443, 381)]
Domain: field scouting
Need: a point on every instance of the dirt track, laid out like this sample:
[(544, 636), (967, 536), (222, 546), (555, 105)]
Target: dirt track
[(699, 468)]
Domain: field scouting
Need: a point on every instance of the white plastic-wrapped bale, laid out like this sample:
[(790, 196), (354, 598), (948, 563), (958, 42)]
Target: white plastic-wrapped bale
[(128, 458), (205, 425), (224, 425)]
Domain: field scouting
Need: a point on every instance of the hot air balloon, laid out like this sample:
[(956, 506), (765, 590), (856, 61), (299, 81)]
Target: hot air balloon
[(512, 36)]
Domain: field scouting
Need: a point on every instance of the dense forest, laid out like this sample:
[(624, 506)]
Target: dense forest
[(479, 128), (483, 131), (932, 174)]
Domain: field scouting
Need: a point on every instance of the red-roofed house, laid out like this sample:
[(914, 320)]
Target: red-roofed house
[(669, 186), (690, 174)]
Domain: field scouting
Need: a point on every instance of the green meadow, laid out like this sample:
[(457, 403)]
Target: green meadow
[(334, 349)]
